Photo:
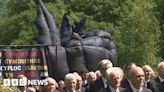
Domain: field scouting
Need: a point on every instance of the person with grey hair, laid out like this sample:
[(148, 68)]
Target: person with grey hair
[(61, 85), (101, 82), (70, 82), (157, 84), (137, 77), (114, 77), (51, 87), (79, 83)]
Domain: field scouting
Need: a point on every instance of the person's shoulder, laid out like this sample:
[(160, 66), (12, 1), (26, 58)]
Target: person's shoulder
[(127, 89), (121, 88), (156, 80), (146, 89), (99, 80), (103, 90)]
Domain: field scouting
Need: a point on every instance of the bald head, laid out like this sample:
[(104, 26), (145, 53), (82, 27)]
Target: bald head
[(137, 77), (127, 68)]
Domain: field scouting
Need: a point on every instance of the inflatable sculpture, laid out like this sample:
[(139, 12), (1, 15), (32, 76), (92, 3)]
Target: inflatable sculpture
[(73, 48)]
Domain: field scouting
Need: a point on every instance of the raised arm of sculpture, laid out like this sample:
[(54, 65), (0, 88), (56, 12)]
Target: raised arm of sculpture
[(55, 36), (43, 29), (66, 30)]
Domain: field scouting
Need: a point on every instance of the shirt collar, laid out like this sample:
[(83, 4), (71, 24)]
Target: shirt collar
[(112, 89), (69, 91), (104, 82), (146, 81), (133, 88), (161, 80)]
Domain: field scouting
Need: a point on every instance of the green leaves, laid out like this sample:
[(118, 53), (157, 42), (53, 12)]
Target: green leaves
[(137, 24)]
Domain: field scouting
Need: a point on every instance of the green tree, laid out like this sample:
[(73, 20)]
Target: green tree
[(17, 27), (140, 31), (135, 26), (160, 10)]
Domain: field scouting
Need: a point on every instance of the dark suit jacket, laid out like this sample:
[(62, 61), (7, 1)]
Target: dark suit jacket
[(82, 89), (125, 83), (75, 91), (156, 85), (144, 90), (109, 90), (97, 85)]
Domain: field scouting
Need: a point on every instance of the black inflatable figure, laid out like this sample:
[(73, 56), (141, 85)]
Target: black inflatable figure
[(75, 49)]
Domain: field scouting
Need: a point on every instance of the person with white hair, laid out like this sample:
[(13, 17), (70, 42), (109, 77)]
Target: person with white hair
[(114, 77), (79, 84), (70, 82), (157, 84), (51, 87)]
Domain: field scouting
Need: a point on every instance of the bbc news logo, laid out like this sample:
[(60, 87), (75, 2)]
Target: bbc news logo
[(24, 82)]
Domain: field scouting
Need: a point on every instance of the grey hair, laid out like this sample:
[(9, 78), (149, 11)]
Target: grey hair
[(160, 64), (105, 63), (69, 76), (112, 70)]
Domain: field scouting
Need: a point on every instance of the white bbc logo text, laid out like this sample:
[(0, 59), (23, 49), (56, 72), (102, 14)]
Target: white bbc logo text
[(23, 82)]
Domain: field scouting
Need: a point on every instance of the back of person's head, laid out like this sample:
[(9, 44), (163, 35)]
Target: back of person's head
[(127, 68)]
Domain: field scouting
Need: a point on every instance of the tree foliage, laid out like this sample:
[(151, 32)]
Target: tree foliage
[(135, 24)]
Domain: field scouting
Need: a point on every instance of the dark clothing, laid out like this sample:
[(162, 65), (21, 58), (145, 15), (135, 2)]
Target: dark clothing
[(75, 91), (82, 90), (125, 83), (97, 85), (147, 84), (60, 90), (144, 90), (156, 85), (109, 90)]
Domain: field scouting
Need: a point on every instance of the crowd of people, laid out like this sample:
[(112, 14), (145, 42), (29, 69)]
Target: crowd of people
[(131, 78)]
